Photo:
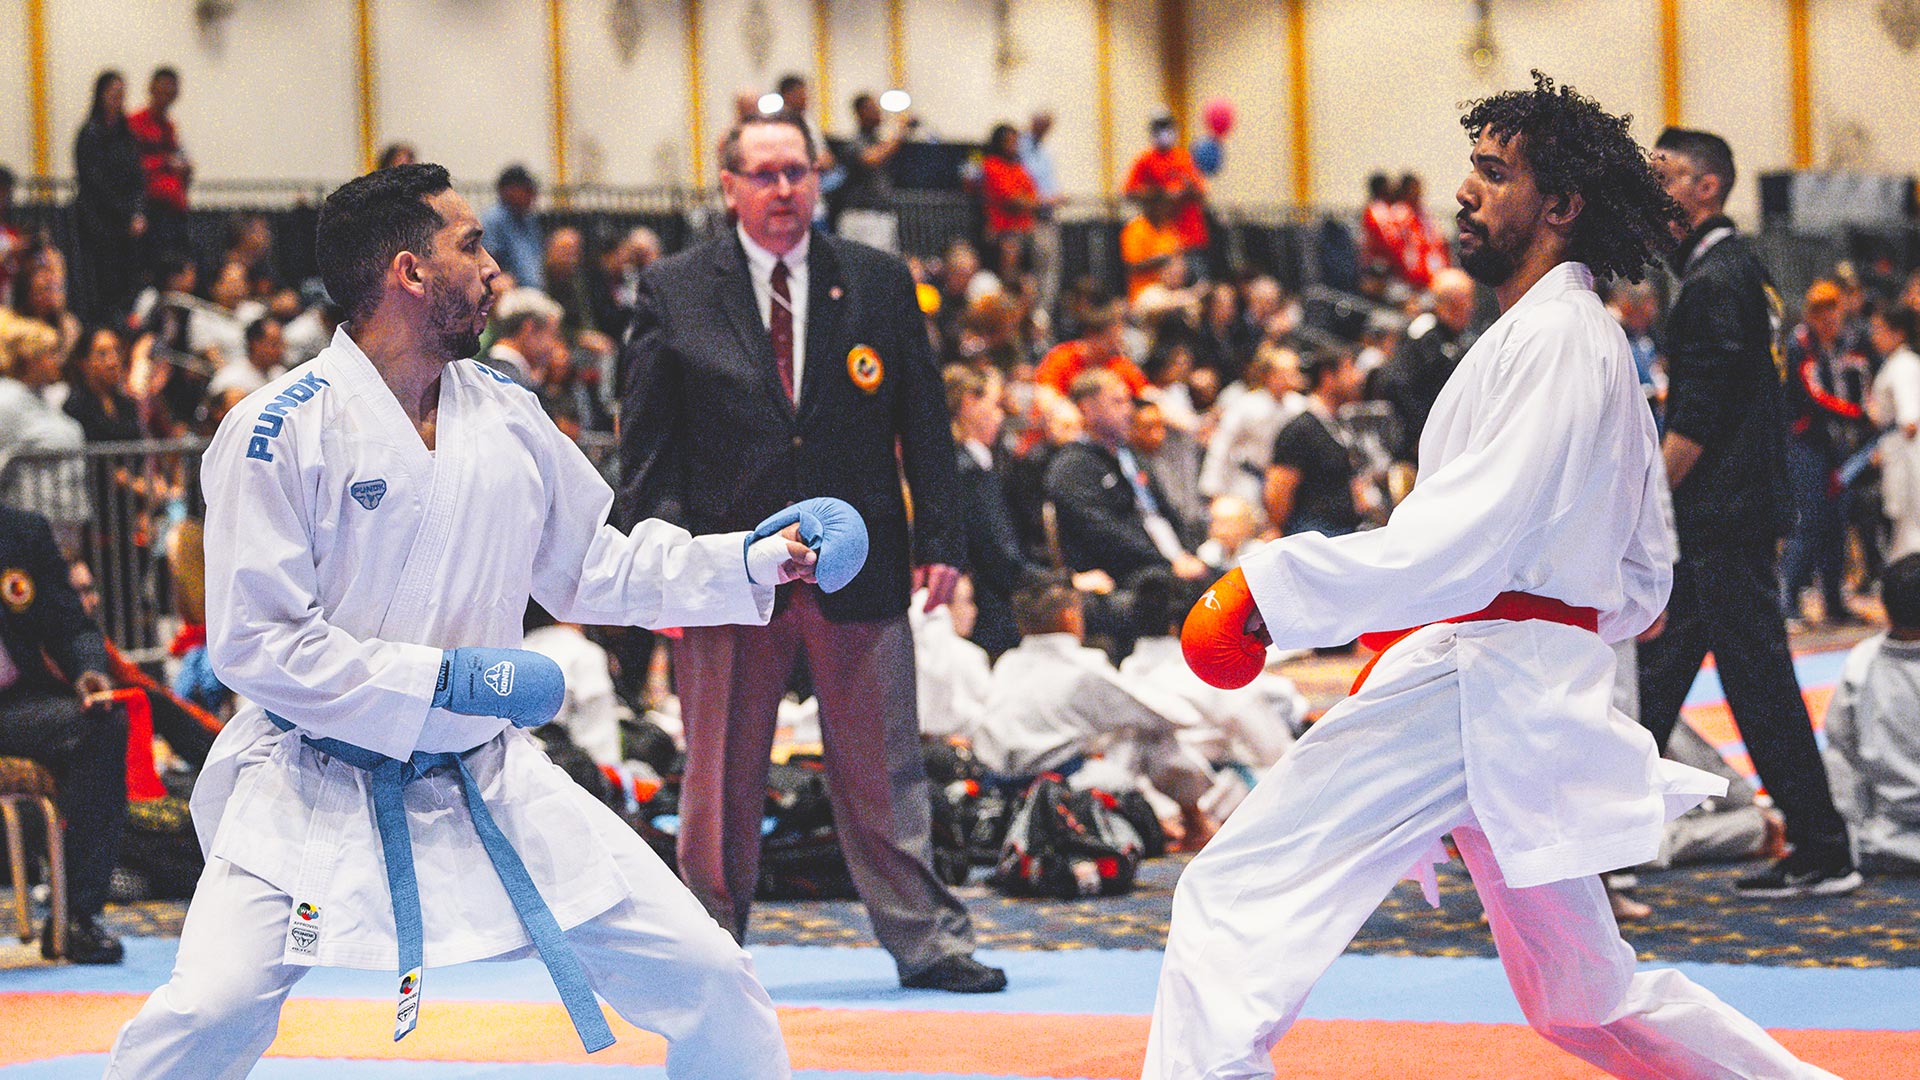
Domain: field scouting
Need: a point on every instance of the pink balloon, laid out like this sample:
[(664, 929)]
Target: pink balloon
[(1218, 113)]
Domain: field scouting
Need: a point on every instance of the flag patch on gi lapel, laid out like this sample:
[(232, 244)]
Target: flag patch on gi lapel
[(500, 677), (303, 935), (368, 493)]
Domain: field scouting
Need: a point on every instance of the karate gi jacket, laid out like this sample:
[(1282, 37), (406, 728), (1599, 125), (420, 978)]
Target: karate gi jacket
[(1053, 699), (1873, 752), (1253, 725), (345, 557), (1537, 475)]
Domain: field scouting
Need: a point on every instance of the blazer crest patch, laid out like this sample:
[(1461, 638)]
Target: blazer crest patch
[(16, 590), (865, 369)]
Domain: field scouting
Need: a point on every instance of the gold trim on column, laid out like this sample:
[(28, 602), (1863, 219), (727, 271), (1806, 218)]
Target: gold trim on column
[(1103, 83), (822, 72), (1175, 83), (897, 44), (363, 77), (1800, 87), (696, 114), (1670, 61), (557, 88), (37, 86), (1297, 87)]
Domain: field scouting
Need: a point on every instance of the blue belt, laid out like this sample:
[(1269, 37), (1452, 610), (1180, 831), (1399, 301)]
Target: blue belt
[(389, 777)]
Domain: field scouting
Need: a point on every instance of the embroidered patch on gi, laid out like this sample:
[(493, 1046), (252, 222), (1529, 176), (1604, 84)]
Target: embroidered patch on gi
[(368, 493), (304, 934), (500, 677), (407, 1015), (865, 369), (16, 590)]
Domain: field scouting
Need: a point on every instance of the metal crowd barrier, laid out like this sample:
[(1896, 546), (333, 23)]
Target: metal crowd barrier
[(119, 507)]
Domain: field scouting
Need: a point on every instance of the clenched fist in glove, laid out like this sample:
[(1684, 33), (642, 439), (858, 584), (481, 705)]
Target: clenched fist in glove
[(1224, 640), (524, 687), (833, 529)]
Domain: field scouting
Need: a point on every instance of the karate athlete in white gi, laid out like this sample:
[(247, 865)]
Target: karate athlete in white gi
[(1535, 525), (377, 519)]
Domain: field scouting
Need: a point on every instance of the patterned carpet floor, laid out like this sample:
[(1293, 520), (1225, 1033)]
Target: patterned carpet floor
[(1697, 917)]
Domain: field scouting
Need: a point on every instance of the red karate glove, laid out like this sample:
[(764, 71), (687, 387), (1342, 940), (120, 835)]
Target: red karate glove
[(1215, 639)]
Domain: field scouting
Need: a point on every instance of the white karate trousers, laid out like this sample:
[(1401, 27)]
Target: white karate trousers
[(1275, 897), (657, 957)]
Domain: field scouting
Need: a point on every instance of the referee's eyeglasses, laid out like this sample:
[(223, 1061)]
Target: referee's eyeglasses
[(794, 175)]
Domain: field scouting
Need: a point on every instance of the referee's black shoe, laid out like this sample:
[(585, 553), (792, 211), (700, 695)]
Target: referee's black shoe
[(1810, 873), (958, 975), (87, 942)]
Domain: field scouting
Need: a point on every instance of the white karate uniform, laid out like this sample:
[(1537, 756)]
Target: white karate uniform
[(1536, 476), (1873, 752), (591, 711), (1253, 725), (952, 675), (1242, 446), (1053, 700), (350, 556), (1895, 403)]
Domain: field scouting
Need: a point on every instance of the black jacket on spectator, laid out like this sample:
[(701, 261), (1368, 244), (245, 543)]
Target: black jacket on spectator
[(110, 185), (996, 559), (1101, 524), (710, 442), (41, 716), (1724, 392), (111, 188), (1411, 381), (39, 609)]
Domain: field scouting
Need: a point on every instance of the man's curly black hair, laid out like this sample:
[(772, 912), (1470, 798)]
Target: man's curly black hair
[(1573, 145)]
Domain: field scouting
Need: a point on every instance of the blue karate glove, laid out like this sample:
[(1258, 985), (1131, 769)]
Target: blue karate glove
[(524, 687), (833, 529)]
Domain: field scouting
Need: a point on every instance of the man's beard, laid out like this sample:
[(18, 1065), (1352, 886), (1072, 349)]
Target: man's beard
[(454, 319), (1487, 266), (1484, 264), (460, 344)]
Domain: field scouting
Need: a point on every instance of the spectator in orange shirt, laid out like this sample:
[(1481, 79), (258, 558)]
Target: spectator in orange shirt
[(1167, 167), (1149, 242), (1101, 345)]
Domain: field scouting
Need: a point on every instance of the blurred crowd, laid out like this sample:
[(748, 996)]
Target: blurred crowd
[(1121, 441)]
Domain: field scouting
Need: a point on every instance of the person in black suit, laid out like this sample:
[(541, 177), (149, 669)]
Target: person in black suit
[(770, 364), (53, 665), (1112, 514)]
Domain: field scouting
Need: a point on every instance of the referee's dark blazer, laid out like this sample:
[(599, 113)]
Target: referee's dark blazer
[(39, 609), (709, 441)]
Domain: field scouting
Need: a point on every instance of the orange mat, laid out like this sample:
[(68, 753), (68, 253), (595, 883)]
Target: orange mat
[(1095, 1047)]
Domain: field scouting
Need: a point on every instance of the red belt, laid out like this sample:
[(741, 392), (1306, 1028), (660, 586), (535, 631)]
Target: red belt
[(1507, 607)]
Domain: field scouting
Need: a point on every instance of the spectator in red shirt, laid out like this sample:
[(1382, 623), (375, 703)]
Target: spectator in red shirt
[(1099, 346), (1008, 196), (168, 170), (1424, 251), (1382, 237), (1166, 166)]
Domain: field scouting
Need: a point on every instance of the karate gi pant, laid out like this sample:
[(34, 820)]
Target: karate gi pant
[(1274, 899), (656, 957)]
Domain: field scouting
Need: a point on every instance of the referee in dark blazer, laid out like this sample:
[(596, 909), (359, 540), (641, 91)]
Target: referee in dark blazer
[(52, 660), (765, 366)]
